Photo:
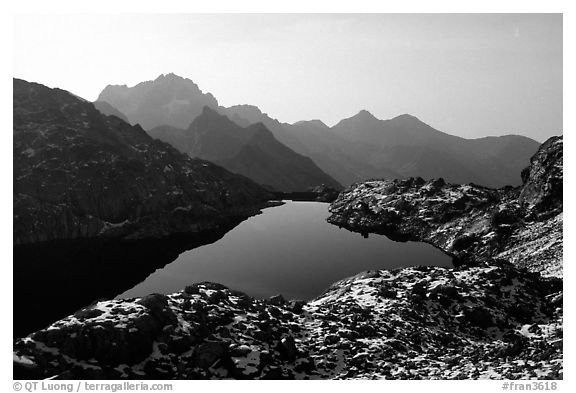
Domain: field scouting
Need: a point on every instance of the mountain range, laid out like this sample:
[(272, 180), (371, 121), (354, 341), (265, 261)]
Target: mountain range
[(355, 149), (363, 147), (81, 174), (252, 151)]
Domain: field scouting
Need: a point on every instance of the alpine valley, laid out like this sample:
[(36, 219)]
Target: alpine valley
[(108, 194)]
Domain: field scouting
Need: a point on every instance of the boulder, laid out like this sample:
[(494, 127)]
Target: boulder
[(277, 300), (478, 316), (208, 352), (287, 348)]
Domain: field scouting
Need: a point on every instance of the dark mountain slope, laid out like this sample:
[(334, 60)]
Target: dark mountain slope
[(252, 151), (333, 154), (267, 161), (78, 173)]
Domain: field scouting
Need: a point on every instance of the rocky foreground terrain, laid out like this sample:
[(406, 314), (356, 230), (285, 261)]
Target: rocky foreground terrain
[(498, 314)]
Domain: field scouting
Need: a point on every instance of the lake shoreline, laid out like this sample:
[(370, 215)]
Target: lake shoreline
[(75, 273)]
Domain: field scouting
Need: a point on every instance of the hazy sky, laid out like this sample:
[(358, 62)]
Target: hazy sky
[(466, 74)]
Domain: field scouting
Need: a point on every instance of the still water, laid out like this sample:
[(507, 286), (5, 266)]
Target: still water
[(289, 250)]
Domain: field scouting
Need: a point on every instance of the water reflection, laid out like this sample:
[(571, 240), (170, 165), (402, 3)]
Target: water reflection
[(290, 250), (54, 279)]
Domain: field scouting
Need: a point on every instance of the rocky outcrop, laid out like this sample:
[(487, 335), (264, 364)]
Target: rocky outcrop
[(474, 224), (81, 174), (412, 323), (325, 193), (541, 194)]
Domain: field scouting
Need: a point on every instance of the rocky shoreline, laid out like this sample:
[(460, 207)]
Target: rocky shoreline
[(497, 315), (474, 224), (99, 268)]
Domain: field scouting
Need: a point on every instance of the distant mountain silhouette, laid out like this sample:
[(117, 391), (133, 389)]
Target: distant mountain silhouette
[(313, 139), (410, 147), (333, 154), (245, 115), (355, 149), (363, 146), (252, 151), (167, 100)]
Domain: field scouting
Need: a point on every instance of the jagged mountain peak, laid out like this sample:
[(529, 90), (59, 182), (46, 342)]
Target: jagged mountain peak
[(168, 100), (245, 106), (210, 119), (364, 112), (313, 123), (171, 76), (172, 79), (207, 111), (260, 129), (112, 87), (250, 111), (364, 115)]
